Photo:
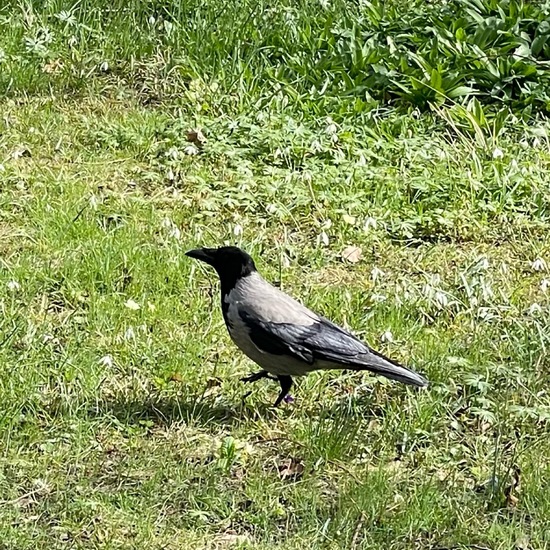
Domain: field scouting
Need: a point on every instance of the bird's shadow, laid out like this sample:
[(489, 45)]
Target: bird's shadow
[(193, 410), (207, 411)]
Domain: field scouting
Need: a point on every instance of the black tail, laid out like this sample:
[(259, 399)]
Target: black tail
[(380, 364)]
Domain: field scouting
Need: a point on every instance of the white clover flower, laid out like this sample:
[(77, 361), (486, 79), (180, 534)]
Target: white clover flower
[(131, 304), (238, 230), (497, 153), (129, 334), (534, 309), (545, 285), (387, 336)]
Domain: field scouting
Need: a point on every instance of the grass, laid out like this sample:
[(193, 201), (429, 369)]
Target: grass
[(122, 420)]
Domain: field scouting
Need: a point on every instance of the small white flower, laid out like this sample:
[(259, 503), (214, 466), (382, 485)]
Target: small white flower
[(191, 150), (545, 285), (331, 127), (173, 153), (237, 230), (130, 304), (106, 361), (538, 265), (534, 309), (324, 238), (129, 334), (497, 153), (104, 67), (151, 20), (387, 336), (316, 146), (13, 286), (441, 299), (376, 274), (370, 222)]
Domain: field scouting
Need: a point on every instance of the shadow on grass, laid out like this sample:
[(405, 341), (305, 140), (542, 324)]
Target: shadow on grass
[(194, 410)]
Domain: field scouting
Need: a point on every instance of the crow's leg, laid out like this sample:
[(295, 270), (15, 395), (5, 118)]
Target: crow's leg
[(257, 376), (286, 384)]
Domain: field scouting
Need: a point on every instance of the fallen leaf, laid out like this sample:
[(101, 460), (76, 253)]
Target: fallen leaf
[(352, 254), (21, 152), (349, 219), (196, 137), (291, 468)]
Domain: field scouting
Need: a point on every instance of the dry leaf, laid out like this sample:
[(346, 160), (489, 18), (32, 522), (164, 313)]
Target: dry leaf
[(21, 152), (196, 137), (352, 254), (291, 468)]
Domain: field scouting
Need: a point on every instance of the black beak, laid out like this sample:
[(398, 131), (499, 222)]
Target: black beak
[(206, 255)]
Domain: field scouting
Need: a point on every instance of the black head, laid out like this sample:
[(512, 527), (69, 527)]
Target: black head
[(230, 262)]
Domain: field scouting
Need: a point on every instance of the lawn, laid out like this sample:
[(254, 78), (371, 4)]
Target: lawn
[(122, 418)]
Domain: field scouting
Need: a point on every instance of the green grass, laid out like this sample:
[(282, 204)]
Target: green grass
[(125, 426)]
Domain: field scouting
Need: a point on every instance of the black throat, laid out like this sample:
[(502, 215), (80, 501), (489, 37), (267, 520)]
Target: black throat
[(228, 281)]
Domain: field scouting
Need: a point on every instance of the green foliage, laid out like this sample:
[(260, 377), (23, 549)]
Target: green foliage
[(335, 57)]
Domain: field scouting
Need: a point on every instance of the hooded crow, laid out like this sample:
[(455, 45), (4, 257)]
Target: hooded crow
[(281, 335)]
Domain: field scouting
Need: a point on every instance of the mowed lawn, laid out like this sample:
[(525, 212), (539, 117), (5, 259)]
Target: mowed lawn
[(123, 422)]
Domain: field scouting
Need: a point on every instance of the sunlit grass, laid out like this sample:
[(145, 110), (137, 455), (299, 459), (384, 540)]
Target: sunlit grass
[(123, 423)]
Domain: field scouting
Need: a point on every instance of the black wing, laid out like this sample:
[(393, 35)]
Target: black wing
[(320, 340), (325, 341)]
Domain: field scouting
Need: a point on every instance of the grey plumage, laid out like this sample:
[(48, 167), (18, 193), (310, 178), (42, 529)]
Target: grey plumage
[(283, 336)]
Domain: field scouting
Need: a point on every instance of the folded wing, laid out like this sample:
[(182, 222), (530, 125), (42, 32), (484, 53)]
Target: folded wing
[(324, 341)]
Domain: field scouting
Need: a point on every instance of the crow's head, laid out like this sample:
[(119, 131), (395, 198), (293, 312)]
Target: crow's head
[(230, 262)]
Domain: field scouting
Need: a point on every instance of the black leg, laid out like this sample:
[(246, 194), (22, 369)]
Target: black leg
[(258, 376), (255, 376), (286, 384)]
